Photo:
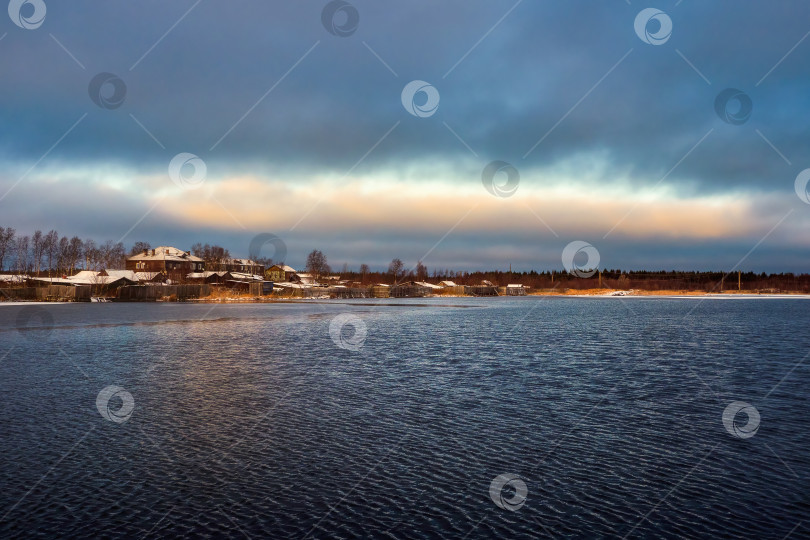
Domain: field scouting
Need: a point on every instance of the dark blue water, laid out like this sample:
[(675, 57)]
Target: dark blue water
[(253, 421)]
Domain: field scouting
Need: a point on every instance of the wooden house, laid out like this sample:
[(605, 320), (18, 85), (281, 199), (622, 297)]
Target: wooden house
[(279, 272), (244, 266), (174, 263)]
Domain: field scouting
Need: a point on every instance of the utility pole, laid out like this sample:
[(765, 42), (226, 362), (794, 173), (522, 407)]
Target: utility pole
[(600, 279), (739, 280)]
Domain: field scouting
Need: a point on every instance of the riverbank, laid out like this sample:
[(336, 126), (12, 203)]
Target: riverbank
[(663, 292), (584, 293), (232, 298)]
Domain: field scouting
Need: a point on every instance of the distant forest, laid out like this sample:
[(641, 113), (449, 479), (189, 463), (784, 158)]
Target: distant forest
[(611, 279), (51, 254)]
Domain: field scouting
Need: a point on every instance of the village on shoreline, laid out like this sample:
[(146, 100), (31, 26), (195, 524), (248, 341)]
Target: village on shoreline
[(167, 273)]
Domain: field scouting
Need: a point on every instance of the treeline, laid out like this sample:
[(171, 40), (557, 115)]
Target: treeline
[(661, 280), (49, 253), (610, 279)]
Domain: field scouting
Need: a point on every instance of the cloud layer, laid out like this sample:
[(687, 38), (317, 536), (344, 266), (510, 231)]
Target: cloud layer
[(304, 133)]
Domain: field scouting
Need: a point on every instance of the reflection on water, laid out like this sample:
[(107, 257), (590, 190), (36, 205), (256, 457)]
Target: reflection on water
[(254, 420)]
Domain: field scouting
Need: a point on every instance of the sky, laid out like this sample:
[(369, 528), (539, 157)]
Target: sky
[(666, 135)]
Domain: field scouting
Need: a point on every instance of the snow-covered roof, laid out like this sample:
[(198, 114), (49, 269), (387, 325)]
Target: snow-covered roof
[(118, 274), (287, 285), (283, 267), (146, 276), (13, 277), (57, 280), (205, 275), (243, 262), (85, 275), (248, 277), (165, 253), (448, 284), (93, 277)]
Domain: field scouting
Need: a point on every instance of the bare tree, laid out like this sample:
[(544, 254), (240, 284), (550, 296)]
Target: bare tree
[(364, 270), (218, 256), (51, 247), (111, 255), (75, 253), (395, 269), (6, 244), (214, 256), (421, 271), (139, 247), (118, 256), (62, 255), (36, 250), (316, 264), (267, 262), (91, 255), (22, 252), (104, 254)]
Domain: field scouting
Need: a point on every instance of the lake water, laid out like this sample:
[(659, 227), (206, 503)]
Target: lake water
[(398, 418)]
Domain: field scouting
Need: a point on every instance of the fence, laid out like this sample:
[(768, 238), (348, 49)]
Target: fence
[(350, 292), (150, 293), (20, 293), (409, 291), (481, 290), (50, 293), (79, 293), (456, 290), (512, 291), (379, 291)]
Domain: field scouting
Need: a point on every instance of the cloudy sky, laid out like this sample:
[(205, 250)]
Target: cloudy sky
[(617, 129)]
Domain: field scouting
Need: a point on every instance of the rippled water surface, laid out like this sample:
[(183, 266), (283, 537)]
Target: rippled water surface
[(253, 421)]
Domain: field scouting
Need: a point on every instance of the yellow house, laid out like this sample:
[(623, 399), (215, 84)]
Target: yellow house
[(279, 272)]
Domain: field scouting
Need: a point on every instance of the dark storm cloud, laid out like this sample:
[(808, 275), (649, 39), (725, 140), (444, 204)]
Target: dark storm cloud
[(198, 81)]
